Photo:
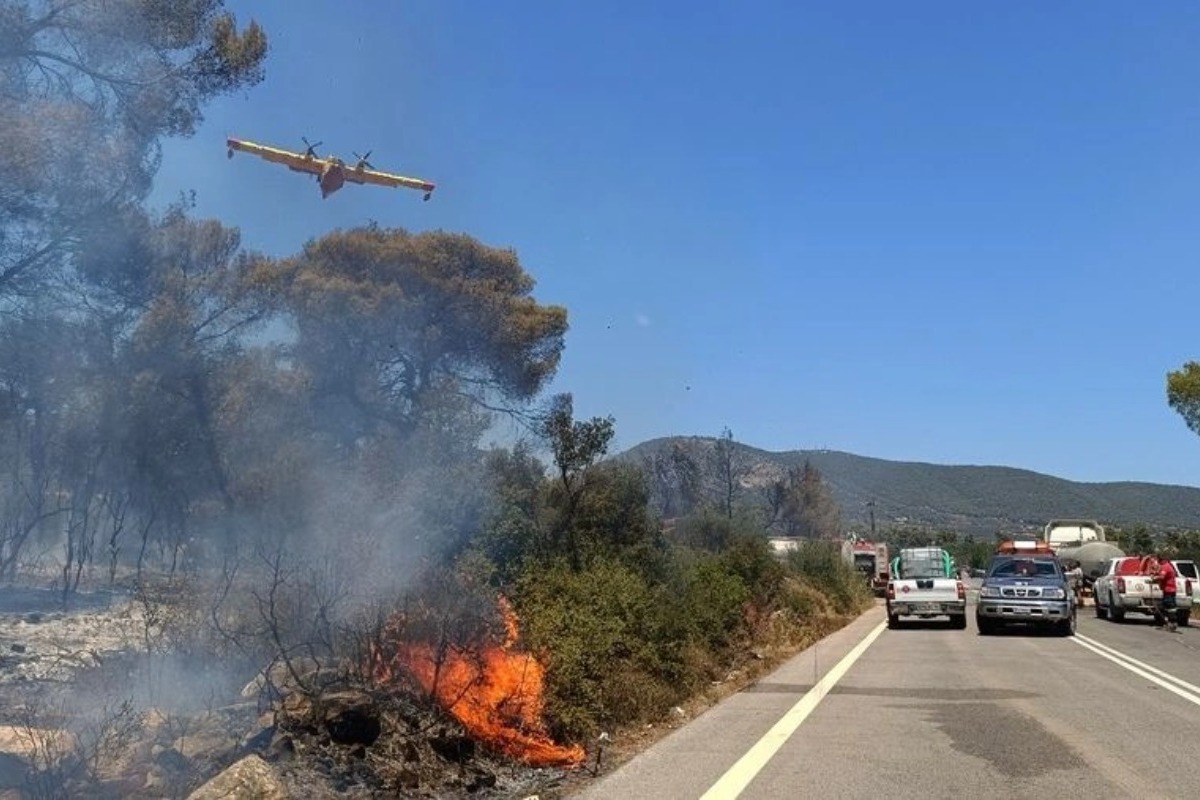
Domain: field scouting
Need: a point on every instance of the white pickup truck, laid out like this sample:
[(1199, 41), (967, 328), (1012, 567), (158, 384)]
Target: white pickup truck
[(923, 585), (1123, 588), (1188, 572)]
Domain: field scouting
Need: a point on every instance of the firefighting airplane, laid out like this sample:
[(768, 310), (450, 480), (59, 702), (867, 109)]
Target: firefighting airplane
[(331, 171)]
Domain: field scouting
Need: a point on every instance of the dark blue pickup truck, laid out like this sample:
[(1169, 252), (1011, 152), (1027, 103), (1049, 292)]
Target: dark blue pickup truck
[(1030, 589)]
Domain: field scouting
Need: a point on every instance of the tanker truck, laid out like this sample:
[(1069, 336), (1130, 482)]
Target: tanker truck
[(1081, 540)]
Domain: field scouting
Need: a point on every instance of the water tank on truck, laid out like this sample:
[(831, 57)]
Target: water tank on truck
[(1081, 540)]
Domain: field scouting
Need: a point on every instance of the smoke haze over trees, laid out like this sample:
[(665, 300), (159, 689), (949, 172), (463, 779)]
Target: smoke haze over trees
[(135, 394), (89, 88), (269, 455)]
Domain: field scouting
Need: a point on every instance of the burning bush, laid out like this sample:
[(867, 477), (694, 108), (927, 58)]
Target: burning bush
[(483, 679)]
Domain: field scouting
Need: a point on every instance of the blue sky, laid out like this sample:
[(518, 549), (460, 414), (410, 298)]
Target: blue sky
[(961, 233)]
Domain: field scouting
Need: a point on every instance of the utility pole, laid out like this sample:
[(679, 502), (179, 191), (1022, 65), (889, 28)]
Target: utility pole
[(871, 508)]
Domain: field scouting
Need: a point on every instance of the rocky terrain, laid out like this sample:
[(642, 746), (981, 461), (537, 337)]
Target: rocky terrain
[(92, 706), (70, 725)]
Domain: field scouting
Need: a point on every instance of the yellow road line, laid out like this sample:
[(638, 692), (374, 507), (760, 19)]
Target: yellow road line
[(738, 777)]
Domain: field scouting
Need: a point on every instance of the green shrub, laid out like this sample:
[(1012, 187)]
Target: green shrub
[(709, 605), (714, 532), (821, 564), (804, 600), (751, 558), (598, 631), (642, 623)]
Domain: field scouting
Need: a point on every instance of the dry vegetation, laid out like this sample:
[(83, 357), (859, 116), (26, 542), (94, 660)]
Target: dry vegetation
[(283, 561), (168, 696)]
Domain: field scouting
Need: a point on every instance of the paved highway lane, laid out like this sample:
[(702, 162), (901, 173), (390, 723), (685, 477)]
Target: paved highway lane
[(1135, 636), (931, 712)]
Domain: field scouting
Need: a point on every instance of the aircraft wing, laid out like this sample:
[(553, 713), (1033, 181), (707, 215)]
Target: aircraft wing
[(378, 178), (290, 159)]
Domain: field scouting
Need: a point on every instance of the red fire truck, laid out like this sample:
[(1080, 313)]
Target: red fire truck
[(871, 559)]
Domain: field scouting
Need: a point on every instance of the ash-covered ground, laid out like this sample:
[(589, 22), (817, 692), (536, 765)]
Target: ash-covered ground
[(76, 721)]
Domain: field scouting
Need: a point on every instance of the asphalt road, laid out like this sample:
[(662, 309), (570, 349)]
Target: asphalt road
[(930, 712)]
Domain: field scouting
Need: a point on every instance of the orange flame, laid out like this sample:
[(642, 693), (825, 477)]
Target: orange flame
[(494, 691)]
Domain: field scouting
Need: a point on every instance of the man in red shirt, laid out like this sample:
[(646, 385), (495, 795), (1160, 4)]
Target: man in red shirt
[(1165, 577)]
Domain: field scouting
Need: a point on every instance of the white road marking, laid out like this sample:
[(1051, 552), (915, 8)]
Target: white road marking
[(1142, 664), (738, 777), (1154, 675)]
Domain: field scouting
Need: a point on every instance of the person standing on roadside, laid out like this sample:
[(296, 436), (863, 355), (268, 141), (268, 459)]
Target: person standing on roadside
[(1075, 579), (1166, 578)]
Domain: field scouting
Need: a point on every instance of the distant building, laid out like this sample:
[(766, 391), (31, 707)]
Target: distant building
[(783, 544)]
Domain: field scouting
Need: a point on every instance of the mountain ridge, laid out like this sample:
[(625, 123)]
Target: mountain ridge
[(970, 498)]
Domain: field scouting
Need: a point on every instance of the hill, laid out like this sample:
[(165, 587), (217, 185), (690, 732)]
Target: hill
[(978, 500)]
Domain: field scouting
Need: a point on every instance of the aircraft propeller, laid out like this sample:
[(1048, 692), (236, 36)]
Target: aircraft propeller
[(311, 152), (362, 161)]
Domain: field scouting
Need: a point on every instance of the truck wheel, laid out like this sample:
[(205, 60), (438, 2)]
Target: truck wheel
[(1116, 614), (1065, 627), (1182, 617), (986, 626), (893, 621), (959, 622), (1101, 611)]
